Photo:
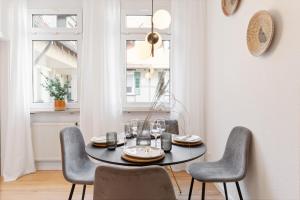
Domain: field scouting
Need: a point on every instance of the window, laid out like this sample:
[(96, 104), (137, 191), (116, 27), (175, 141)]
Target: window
[(138, 22), (55, 45), (142, 71), (54, 21)]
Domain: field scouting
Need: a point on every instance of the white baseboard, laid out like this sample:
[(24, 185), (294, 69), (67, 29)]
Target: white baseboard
[(48, 165), (219, 187)]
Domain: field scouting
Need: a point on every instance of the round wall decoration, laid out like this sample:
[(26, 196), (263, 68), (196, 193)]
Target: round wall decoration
[(229, 6), (260, 33)]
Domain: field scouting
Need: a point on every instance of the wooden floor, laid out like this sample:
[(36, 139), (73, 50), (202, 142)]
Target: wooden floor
[(50, 185)]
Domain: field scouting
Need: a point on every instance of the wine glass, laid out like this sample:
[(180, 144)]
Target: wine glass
[(134, 126), (162, 125), (155, 130), (127, 133)]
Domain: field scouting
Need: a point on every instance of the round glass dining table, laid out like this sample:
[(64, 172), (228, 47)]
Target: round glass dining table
[(178, 154)]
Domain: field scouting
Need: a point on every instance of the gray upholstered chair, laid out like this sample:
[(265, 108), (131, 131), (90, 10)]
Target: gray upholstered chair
[(147, 183), (77, 167), (231, 168), (172, 126)]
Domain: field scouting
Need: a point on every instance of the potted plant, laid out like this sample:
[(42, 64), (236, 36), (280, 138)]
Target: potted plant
[(58, 91)]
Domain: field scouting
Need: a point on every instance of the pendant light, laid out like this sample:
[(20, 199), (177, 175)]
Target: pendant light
[(153, 38), (162, 19)]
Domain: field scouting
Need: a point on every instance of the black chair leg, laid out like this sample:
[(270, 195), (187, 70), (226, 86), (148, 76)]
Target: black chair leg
[(71, 192), (225, 190), (83, 192), (191, 189), (239, 190), (203, 191)]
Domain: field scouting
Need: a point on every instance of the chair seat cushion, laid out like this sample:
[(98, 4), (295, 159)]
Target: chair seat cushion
[(83, 175), (214, 172)]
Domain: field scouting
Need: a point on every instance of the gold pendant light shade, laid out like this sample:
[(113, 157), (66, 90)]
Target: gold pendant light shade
[(154, 39)]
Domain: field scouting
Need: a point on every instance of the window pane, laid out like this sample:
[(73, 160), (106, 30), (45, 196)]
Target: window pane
[(54, 21), (143, 71), (54, 59), (138, 21)]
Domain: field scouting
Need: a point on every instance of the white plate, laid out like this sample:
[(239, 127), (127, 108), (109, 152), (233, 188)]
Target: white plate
[(143, 152), (99, 140), (102, 139), (188, 138)]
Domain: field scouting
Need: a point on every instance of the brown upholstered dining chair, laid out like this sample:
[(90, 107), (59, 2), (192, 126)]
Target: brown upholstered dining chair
[(124, 183)]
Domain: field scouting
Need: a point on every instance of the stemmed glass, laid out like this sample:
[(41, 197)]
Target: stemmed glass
[(127, 133), (134, 126), (162, 125), (155, 130)]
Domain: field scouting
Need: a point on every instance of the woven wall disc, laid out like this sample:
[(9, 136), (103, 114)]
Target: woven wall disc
[(229, 6), (260, 33)]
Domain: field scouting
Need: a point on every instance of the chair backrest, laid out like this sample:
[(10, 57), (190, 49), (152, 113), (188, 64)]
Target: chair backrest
[(72, 150), (237, 150), (172, 126), (147, 183)]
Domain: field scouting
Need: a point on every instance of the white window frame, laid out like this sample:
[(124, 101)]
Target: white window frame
[(138, 34), (59, 34), (77, 30)]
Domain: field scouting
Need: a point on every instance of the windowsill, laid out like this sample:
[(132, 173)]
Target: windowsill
[(144, 109), (51, 110)]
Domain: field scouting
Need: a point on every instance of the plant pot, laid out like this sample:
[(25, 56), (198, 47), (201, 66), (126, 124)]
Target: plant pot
[(59, 105)]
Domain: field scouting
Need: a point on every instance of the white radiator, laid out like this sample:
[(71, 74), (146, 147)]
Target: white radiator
[(46, 144)]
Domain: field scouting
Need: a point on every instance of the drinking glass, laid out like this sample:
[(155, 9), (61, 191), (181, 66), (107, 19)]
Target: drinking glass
[(166, 141), (155, 130), (111, 140)]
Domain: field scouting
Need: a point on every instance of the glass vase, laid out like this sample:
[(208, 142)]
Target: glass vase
[(143, 137)]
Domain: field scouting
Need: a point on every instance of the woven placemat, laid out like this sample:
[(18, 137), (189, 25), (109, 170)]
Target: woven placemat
[(140, 160), (104, 145), (187, 144)]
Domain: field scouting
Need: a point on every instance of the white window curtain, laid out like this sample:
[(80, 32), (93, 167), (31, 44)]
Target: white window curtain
[(100, 102), (16, 143), (188, 60)]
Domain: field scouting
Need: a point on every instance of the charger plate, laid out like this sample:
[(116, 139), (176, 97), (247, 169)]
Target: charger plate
[(104, 145), (187, 144), (229, 6), (141, 160), (260, 33)]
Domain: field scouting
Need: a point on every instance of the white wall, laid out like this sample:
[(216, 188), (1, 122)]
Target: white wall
[(261, 93)]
